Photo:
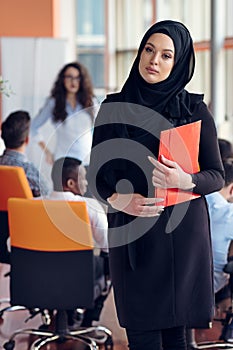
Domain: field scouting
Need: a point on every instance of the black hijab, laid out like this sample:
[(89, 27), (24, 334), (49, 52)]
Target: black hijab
[(167, 97)]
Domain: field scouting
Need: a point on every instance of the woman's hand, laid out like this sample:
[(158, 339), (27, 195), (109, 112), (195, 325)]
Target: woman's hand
[(169, 174), (48, 155), (135, 204)]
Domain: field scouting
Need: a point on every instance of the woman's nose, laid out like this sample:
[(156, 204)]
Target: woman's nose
[(155, 58)]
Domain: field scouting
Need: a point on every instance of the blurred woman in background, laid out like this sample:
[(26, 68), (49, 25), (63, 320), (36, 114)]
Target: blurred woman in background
[(71, 109)]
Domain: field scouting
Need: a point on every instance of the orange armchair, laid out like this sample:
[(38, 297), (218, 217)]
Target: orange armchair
[(13, 183), (52, 266)]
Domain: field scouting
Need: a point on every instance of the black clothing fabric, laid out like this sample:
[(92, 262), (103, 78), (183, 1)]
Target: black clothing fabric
[(172, 338), (161, 267)]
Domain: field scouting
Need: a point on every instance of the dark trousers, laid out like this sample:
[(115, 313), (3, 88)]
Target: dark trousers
[(166, 339)]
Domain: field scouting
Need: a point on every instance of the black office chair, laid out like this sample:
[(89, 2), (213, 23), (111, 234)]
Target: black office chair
[(52, 267), (13, 183)]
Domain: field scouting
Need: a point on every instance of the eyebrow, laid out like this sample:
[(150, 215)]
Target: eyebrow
[(170, 50)]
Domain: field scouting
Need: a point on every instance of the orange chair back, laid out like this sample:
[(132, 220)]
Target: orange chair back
[(48, 225), (13, 183)]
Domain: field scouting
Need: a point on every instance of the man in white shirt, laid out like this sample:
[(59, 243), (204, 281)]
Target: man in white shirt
[(221, 224), (70, 184), (221, 228)]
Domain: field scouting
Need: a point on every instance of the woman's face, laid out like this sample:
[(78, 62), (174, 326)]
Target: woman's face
[(72, 80), (157, 58)]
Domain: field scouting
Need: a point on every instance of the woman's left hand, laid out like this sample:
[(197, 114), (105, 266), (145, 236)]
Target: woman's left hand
[(135, 204), (169, 174)]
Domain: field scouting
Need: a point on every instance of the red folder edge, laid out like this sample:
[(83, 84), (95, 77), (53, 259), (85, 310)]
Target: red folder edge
[(180, 144)]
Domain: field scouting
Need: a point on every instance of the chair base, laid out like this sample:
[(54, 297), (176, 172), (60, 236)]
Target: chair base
[(45, 316), (89, 336), (12, 308), (41, 342), (225, 340), (214, 345)]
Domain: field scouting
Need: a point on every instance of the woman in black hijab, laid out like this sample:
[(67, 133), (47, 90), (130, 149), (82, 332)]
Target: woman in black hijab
[(160, 258)]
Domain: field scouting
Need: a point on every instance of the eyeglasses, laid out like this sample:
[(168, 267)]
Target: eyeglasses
[(71, 78)]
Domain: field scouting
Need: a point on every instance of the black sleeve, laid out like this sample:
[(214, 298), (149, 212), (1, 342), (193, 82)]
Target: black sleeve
[(211, 176), (101, 175)]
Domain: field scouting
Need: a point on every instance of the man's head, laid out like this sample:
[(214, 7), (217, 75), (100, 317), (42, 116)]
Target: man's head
[(68, 174), (227, 190), (226, 148), (15, 129)]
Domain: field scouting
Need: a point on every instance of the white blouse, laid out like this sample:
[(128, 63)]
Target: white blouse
[(73, 137)]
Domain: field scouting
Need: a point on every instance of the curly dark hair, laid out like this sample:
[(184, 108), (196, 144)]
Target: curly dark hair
[(85, 93)]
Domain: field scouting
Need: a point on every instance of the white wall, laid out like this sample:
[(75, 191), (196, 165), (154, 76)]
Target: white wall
[(68, 27), (31, 66)]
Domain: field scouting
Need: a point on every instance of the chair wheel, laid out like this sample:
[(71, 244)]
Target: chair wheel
[(9, 345), (108, 345), (43, 327)]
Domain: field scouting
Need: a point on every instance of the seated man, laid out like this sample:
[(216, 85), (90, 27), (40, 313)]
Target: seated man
[(221, 224), (15, 134), (70, 184), (15, 131), (221, 228), (226, 148)]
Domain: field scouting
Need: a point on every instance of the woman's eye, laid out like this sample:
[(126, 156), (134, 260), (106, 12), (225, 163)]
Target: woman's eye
[(166, 56), (148, 49)]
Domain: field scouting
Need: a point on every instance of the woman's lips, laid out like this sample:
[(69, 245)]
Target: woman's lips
[(151, 70)]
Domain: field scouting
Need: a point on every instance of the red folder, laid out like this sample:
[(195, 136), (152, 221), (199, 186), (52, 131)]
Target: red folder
[(181, 145)]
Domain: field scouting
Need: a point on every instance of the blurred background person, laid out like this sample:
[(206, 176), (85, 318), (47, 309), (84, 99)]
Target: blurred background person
[(15, 131), (71, 108), (226, 148), (15, 134), (221, 224), (221, 228)]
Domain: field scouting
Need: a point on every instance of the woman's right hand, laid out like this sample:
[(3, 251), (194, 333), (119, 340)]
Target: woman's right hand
[(135, 204), (48, 155)]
